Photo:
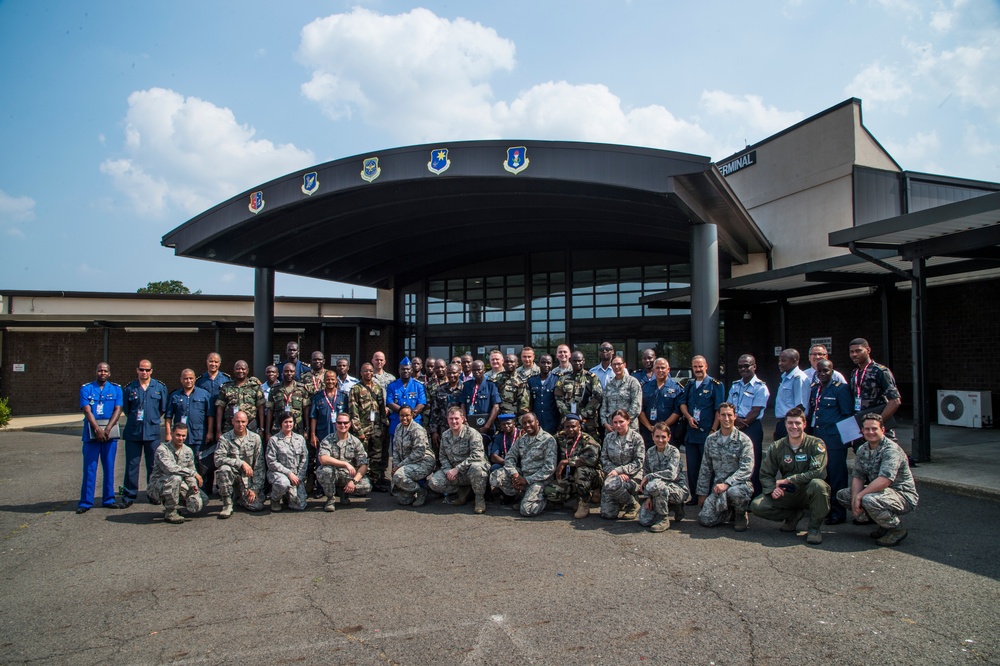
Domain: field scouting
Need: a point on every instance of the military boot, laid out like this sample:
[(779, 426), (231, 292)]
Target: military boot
[(331, 504), (480, 503), (462, 496), (791, 524), (582, 509), (815, 537), (878, 532), (661, 525), (421, 497), (892, 537), (227, 507), (678, 511), (632, 511), (173, 517), (742, 521)]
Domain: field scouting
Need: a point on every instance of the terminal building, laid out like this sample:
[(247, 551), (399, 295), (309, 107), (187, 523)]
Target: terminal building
[(812, 234)]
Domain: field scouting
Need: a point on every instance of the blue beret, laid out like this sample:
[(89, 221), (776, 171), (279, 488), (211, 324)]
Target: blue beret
[(506, 417), (573, 417), (405, 361)]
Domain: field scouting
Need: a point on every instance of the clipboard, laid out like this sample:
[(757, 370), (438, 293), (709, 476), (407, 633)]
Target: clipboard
[(103, 423)]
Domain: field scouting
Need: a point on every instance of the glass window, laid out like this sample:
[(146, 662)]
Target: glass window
[(583, 313), (606, 299), (582, 299), (630, 311), (496, 281), (455, 285), (557, 301), (515, 279), (605, 312), (515, 315)]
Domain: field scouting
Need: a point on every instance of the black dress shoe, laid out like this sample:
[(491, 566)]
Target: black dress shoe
[(83, 510), (835, 521), (124, 504), (116, 505)]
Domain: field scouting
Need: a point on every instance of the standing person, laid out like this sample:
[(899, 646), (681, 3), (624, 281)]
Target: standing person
[(750, 395), (873, 386), (724, 478), (324, 407), (405, 391), (463, 463), (287, 465), (381, 377), (144, 402), (563, 354), (481, 398), (418, 369), (193, 407), (622, 391), (605, 352), (412, 460), (292, 356), (646, 374), (496, 364), (466, 362), (527, 369), (174, 479), (343, 465), (240, 468), (272, 378), (243, 394), (212, 380), (542, 389), (800, 459), (369, 422), (829, 404), (527, 467), (430, 382), (663, 482), (449, 394), (819, 353), (661, 403), (312, 379), (622, 457), (699, 407), (344, 379), (513, 389), (580, 392), (882, 487), (101, 403), (578, 470), (288, 397), (793, 390)]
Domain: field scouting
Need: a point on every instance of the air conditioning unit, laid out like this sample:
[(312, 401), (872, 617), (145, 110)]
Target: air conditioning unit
[(968, 409)]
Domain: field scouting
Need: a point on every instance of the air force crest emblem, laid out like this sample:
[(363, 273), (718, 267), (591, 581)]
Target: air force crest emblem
[(310, 183), (256, 202), (517, 159), (439, 161), (370, 170)]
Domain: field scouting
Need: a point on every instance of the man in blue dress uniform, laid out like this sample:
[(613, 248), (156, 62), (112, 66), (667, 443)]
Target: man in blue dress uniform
[(405, 391), (702, 397), (101, 402), (750, 395), (829, 403), (480, 396), (195, 408), (543, 398), (144, 402), (661, 402)]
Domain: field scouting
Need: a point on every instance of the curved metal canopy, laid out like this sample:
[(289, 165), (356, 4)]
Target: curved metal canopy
[(408, 220)]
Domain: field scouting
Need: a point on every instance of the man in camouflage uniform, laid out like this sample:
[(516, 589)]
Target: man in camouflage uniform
[(288, 396), (312, 379), (882, 487), (527, 369), (622, 391), (379, 374), (342, 465), (663, 482), (448, 394), (369, 421), (240, 468), (174, 479), (578, 470), (873, 386), (412, 459), (463, 463), (529, 465), (512, 388), (579, 392), (724, 478), (242, 394)]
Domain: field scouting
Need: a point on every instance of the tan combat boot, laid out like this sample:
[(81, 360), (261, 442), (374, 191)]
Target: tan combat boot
[(173, 517), (661, 525), (632, 511), (227, 508), (582, 509), (480, 504)]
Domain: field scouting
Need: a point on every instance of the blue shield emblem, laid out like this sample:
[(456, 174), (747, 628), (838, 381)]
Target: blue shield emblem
[(310, 183), (517, 159), (370, 170), (439, 161), (256, 202)]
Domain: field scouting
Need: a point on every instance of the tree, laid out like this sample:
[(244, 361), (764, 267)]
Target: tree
[(165, 287)]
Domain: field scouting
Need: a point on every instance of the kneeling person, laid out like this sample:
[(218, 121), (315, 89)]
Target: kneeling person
[(578, 472), (287, 463), (174, 479), (342, 465), (663, 482), (240, 467), (412, 459), (724, 478), (801, 460), (529, 464), (463, 463), (882, 485), (622, 458)]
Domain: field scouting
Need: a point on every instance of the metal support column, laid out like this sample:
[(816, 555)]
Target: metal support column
[(920, 447), (263, 319), (886, 352), (357, 350), (705, 294)]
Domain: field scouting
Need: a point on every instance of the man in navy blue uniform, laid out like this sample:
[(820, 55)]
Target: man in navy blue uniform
[(543, 398), (195, 408), (829, 403), (480, 396), (292, 356), (750, 395), (646, 373), (661, 401), (101, 402), (212, 380), (702, 397), (144, 403)]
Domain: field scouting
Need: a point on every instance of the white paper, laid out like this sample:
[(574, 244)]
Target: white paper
[(848, 429)]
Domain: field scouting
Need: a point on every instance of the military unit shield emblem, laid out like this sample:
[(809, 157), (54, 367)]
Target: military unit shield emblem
[(370, 170), (517, 159), (256, 202), (439, 161), (310, 183)]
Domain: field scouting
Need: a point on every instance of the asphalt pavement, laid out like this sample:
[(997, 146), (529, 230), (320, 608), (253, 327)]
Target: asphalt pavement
[(374, 583)]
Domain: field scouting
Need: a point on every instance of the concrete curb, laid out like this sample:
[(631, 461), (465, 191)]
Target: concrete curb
[(963, 489), (41, 428)]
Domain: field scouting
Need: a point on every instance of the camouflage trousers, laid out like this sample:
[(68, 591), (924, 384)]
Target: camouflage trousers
[(533, 500), (236, 486), (715, 510), (814, 496), (884, 507), (476, 476), (172, 491), (663, 494), (408, 477), (616, 495), (375, 447), (281, 486), (331, 479), (581, 482)]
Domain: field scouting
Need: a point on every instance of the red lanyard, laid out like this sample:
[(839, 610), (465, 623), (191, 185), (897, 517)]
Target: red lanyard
[(858, 382), (475, 392), (571, 450), (330, 404)]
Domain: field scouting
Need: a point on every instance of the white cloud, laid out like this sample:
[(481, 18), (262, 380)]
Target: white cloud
[(916, 150), (748, 111), (879, 85), (14, 212), (968, 71), (186, 154)]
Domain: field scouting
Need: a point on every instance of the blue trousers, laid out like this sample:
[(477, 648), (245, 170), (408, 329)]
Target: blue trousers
[(133, 453), (92, 453), (756, 434), (693, 452), (837, 476)]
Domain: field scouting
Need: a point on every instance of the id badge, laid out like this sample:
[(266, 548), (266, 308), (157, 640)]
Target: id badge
[(371, 416), (572, 407), (333, 417), (697, 414), (652, 414), (857, 404), (184, 419), (141, 414), (472, 410), (100, 409)]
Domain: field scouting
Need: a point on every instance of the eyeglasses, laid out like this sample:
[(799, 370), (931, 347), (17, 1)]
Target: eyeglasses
[(744, 366), (344, 423), (607, 348), (144, 369)]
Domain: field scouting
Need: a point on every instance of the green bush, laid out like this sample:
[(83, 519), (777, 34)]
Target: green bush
[(4, 412)]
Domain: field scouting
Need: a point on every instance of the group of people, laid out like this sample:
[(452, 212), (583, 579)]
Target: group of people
[(528, 435)]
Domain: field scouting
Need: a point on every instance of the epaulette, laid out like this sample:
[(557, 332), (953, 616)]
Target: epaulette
[(715, 381)]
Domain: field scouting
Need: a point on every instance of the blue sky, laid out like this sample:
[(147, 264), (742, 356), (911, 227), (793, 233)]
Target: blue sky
[(122, 120)]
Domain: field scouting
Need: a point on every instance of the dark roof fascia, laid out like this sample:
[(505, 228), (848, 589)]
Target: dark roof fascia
[(938, 179), (15, 321), (24, 293)]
